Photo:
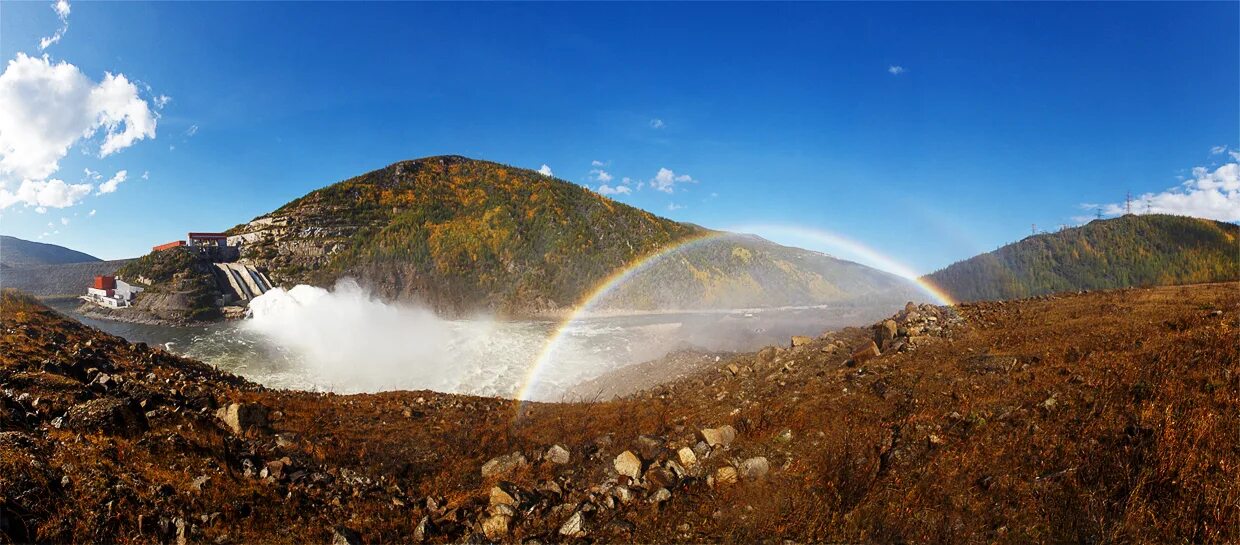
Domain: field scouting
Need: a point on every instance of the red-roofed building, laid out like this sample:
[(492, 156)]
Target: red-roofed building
[(173, 244)]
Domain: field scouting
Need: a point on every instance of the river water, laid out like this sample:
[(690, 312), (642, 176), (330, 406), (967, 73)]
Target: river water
[(373, 350)]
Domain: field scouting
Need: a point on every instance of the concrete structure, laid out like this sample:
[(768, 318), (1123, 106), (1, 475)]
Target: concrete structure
[(245, 281), (109, 292), (208, 239)]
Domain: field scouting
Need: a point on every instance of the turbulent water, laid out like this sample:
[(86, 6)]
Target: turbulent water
[(345, 341)]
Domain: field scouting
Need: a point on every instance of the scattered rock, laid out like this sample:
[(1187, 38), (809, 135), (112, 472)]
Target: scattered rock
[(885, 331), (107, 415), (503, 464), (755, 468), (661, 495), (575, 526), (687, 457), (496, 526), (241, 417), (866, 353), (557, 455), (800, 340), (725, 475), (719, 437), (628, 464), (345, 536)]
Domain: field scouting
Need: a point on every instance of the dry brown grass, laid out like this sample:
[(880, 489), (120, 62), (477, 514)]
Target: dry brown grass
[(1141, 442)]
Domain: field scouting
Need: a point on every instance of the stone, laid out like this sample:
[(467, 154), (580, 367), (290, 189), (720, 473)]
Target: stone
[(241, 417), (503, 464), (886, 331), (628, 464), (422, 531), (622, 493), (866, 353), (575, 526), (687, 457), (661, 495), (557, 455), (107, 415), (500, 497), (733, 369), (345, 536), (496, 526), (725, 475), (800, 340), (199, 482), (755, 468), (719, 437), (649, 447)]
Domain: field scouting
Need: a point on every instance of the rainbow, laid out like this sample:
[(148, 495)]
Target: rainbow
[(864, 254)]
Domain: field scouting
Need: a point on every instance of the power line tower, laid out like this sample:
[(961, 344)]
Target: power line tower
[(1128, 204), (1099, 211), (1147, 206), (1035, 229)]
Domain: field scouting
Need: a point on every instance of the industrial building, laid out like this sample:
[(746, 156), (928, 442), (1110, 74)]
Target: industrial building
[(109, 292)]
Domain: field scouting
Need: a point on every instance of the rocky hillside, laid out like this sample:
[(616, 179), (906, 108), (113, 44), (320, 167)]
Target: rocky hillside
[(1127, 251), (180, 287), (17, 252), (461, 235), (1106, 417)]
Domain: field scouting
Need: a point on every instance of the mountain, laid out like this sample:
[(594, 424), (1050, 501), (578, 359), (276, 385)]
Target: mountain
[(47, 270), (462, 235), (1097, 418), (1131, 250), (17, 252)]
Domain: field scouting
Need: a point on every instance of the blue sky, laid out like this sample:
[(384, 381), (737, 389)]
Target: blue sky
[(924, 132)]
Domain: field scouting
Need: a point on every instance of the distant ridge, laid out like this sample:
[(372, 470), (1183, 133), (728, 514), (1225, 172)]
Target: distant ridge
[(18, 252), (1130, 250)]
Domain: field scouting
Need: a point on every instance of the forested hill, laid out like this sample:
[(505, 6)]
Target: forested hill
[(1132, 250), (462, 234)]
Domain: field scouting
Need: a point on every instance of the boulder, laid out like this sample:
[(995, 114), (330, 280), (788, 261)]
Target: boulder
[(649, 447), (719, 437), (687, 457), (575, 526), (885, 331), (628, 464), (661, 495), (501, 497), (755, 468), (242, 417), (866, 353), (496, 526), (800, 340), (557, 455), (503, 464), (725, 475), (107, 415)]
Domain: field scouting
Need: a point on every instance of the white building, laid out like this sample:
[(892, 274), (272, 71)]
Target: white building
[(111, 293)]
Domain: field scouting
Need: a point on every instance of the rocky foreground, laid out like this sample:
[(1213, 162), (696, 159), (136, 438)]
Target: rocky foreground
[(1102, 417)]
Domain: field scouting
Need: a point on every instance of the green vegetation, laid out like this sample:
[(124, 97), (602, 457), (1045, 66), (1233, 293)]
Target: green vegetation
[(463, 234), (1127, 251), (180, 284)]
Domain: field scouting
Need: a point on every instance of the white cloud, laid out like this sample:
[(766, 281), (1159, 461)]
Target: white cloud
[(605, 189), (45, 194), (46, 108), (191, 131), (92, 175), (163, 100), (544, 170), (61, 7), (656, 123), (1213, 194), (92, 213), (600, 175), (896, 70), (672, 207), (597, 163), (666, 180), (1235, 155), (1216, 150), (113, 182), (146, 174), (64, 221)]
